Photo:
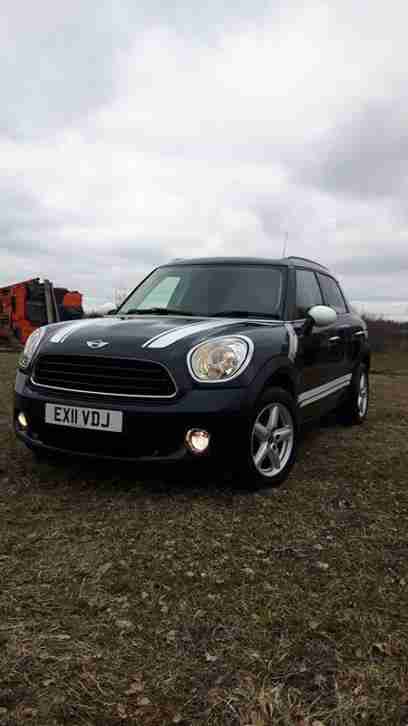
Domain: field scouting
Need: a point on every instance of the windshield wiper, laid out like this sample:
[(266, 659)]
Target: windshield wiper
[(157, 311), (243, 314)]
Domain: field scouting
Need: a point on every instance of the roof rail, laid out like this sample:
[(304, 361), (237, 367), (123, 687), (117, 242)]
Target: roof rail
[(294, 258)]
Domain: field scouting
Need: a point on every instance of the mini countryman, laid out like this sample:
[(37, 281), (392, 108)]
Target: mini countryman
[(216, 358)]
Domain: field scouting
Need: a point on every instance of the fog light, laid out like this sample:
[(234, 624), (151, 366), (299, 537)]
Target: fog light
[(22, 420), (197, 440)]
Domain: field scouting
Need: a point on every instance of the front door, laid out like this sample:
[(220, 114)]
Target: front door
[(321, 358)]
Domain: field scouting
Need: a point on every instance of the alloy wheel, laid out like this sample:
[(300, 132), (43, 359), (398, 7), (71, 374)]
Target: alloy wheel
[(362, 399), (272, 439)]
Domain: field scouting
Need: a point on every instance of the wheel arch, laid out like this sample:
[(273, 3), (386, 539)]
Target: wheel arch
[(281, 373), (282, 378), (366, 359)]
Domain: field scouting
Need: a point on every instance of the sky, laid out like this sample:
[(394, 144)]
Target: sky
[(133, 133)]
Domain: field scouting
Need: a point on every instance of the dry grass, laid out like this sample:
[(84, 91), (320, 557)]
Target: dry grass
[(135, 599)]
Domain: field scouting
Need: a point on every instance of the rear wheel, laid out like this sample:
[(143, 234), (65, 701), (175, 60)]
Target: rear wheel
[(355, 409), (272, 440)]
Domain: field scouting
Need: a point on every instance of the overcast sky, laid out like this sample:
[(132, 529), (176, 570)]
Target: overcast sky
[(132, 132)]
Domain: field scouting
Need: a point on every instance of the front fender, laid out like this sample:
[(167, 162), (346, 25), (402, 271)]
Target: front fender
[(280, 369)]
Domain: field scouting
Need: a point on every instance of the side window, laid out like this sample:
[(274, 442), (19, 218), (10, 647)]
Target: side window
[(332, 294), (307, 292)]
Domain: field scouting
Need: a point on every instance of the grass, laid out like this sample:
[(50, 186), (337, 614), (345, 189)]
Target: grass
[(158, 599)]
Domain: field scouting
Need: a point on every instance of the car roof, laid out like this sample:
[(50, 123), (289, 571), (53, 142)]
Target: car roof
[(291, 261)]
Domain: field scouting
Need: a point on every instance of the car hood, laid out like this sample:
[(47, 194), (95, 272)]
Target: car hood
[(141, 334)]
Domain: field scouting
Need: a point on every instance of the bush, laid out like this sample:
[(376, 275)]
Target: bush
[(386, 334)]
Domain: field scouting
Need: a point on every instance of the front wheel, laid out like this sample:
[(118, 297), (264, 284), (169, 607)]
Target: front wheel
[(272, 440)]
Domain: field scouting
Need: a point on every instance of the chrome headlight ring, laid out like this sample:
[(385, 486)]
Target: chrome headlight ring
[(31, 346), (235, 351)]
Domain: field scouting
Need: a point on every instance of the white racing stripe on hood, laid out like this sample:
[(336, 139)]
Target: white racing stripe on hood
[(63, 333), (164, 340), (161, 340)]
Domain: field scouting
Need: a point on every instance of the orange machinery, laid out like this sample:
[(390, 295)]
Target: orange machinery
[(27, 305)]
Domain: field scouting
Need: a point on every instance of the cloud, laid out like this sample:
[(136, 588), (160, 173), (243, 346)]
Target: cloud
[(372, 264), (59, 60), (367, 154), (56, 64)]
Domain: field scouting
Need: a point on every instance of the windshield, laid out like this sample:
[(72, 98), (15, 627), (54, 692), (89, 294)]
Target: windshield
[(208, 290)]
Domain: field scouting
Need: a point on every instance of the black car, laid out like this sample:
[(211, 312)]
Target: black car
[(207, 358)]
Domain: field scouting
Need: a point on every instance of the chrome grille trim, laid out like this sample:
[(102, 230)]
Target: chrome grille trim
[(109, 394)]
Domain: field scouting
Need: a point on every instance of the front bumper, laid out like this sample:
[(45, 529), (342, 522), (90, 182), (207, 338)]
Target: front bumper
[(152, 431)]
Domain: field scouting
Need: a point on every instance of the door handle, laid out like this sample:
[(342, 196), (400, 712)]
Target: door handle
[(360, 332), (334, 339)]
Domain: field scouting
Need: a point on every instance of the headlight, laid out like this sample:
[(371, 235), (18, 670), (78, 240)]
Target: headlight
[(32, 343), (220, 359)]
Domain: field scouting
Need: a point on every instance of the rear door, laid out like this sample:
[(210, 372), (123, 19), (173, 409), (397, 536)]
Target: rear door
[(352, 326), (322, 352), (341, 342)]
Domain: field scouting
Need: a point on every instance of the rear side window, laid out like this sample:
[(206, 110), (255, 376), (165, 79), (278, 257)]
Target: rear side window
[(332, 294), (307, 292)]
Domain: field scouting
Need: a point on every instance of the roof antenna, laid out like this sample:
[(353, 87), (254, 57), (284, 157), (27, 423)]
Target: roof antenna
[(285, 244)]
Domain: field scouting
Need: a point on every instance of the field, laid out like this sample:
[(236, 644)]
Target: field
[(136, 598)]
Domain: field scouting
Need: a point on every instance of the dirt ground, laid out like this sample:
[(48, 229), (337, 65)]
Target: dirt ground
[(136, 598)]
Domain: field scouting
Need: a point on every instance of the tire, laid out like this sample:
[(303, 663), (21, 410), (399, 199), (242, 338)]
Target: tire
[(273, 430), (354, 410)]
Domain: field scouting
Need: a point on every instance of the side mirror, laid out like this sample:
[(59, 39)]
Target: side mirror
[(321, 316)]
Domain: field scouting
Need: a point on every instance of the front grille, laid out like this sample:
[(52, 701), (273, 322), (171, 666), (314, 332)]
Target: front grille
[(102, 375)]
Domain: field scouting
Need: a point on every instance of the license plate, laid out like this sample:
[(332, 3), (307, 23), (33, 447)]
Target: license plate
[(83, 418)]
